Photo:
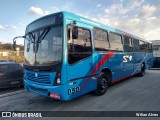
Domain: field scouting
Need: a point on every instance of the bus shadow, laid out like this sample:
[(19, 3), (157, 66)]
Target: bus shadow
[(123, 81), (50, 104)]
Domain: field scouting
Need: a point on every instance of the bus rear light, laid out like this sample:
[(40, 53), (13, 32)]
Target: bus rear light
[(55, 96)]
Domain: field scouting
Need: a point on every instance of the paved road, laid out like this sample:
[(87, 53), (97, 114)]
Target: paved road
[(132, 94), (9, 89)]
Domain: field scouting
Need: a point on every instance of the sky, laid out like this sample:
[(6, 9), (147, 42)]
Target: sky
[(138, 17)]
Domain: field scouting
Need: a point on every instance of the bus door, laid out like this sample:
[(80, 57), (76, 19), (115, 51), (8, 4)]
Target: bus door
[(80, 59), (128, 57)]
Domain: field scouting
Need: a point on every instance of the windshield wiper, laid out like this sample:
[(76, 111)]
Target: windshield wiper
[(30, 38), (43, 34), (40, 38)]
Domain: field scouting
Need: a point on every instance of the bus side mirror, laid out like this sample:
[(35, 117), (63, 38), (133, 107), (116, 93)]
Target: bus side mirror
[(14, 45), (14, 41)]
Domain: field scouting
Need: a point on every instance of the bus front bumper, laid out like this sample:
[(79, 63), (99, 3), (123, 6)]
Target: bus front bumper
[(56, 92)]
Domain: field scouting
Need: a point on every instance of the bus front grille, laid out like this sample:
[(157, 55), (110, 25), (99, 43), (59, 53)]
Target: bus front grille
[(40, 78)]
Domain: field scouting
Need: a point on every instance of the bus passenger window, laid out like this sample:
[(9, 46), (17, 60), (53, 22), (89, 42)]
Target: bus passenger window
[(101, 42), (150, 49), (115, 42), (136, 47), (127, 44), (142, 46)]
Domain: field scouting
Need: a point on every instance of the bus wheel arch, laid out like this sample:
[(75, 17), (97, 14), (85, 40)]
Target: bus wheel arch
[(107, 72), (104, 78)]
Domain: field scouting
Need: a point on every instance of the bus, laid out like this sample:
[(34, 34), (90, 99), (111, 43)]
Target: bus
[(66, 56)]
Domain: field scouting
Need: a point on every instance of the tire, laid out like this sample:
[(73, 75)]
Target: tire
[(102, 84), (142, 73)]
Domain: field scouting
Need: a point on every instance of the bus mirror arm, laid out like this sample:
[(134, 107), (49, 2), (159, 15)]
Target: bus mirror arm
[(14, 41)]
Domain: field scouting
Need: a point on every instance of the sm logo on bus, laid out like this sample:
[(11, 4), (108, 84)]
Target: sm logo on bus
[(127, 58)]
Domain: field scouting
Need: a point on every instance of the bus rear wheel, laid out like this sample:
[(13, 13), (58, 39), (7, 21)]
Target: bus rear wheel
[(102, 84), (142, 73)]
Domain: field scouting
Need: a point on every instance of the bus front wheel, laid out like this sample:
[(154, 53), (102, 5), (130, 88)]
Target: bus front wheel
[(102, 84)]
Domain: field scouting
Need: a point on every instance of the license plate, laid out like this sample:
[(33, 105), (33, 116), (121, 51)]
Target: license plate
[(14, 82)]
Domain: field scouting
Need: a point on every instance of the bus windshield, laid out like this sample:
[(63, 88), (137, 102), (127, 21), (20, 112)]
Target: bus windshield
[(44, 46)]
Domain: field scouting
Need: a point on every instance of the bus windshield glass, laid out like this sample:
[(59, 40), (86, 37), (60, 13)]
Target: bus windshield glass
[(43, 41), (44, 47)]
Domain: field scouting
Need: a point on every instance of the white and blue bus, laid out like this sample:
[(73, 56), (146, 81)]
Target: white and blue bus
[(67, 56)]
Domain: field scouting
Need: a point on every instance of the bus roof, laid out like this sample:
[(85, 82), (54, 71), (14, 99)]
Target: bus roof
[(100, 25), (94, 23)]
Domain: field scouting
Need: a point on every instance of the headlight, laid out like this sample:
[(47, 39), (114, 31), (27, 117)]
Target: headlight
[(58, 81)]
